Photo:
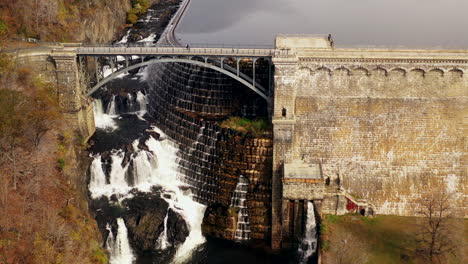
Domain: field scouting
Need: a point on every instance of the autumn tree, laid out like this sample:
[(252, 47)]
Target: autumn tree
[(41, 113), (12, 127)]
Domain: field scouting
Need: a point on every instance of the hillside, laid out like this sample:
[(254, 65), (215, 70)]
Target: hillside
[(44, 216), (91, 21)]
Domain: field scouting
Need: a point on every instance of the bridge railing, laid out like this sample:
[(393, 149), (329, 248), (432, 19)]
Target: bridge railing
[(150, 44), (102, 50)]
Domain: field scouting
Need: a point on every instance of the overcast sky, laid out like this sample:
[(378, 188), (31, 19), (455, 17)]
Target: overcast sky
[(412, 23)]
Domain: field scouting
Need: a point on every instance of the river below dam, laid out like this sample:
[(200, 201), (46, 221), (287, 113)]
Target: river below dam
[(397, 23)]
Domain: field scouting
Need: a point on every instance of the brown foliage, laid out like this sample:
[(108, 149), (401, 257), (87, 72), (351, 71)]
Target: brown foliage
[(51, 20), (38, 224)]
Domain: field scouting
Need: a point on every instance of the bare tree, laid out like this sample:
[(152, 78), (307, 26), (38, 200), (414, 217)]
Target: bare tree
[(435, 229), (348, 249)]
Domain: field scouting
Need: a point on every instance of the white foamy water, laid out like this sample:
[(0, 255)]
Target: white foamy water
[(309, 243), (101, 119), (156, 167), (124, 39), (149, 41), (119, 248), (112, 107)]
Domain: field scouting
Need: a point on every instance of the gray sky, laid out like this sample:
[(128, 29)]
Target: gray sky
[(411, 23)]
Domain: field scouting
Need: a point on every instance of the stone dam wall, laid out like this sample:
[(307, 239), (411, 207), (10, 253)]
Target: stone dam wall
[(188, 102), (390, 124)]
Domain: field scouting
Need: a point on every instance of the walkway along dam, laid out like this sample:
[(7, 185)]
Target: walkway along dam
[(383, 125)]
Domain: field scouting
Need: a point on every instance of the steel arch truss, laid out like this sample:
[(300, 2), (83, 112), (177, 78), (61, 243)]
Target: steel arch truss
[(214, 63)]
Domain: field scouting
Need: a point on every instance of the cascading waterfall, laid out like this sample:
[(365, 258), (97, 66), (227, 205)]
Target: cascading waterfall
[(111, 108), (142, 102), (238, 200), (309, 244), (119, 248), (131, 107), (153, 167), (98, 178), (125, 37), (102, 120), (162, 239)]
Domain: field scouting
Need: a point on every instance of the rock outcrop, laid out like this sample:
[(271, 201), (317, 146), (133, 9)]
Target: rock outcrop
[(145, 222)]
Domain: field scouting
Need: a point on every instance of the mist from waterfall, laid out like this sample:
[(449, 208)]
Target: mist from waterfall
[(309, 243)]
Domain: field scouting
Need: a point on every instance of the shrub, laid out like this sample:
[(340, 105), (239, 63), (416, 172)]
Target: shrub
[(61, 163), (3, 28), (142, 4), (99, 255), (132, 16), (139, 7)]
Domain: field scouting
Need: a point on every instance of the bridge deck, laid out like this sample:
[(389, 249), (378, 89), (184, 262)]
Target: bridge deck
[(221, 52)]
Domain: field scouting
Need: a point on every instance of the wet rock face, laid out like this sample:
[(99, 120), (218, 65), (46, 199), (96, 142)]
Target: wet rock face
[(177, 230), (145, 222), (144, 216)]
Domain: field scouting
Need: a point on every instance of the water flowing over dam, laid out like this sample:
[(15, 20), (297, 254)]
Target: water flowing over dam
[(182, 160)]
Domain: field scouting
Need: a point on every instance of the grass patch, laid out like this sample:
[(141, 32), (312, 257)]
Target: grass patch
[(333, 218), (370, 220), (387, 239), (256, 127), (384, 239)]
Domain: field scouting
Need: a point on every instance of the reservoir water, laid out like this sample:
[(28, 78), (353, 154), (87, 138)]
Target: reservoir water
[(396, 23)]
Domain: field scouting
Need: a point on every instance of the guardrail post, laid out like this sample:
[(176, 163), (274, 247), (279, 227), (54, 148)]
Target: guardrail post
[(253, 76)]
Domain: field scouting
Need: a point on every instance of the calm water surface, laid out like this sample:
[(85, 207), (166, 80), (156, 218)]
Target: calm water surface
[(410, 23)]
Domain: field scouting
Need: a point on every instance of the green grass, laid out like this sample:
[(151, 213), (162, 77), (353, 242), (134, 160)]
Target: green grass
[(389, 239), (247, 126)]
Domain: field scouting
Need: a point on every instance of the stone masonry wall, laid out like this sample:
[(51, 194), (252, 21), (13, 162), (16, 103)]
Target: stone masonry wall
[(250, 157), (61, 69), (390, 129)]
